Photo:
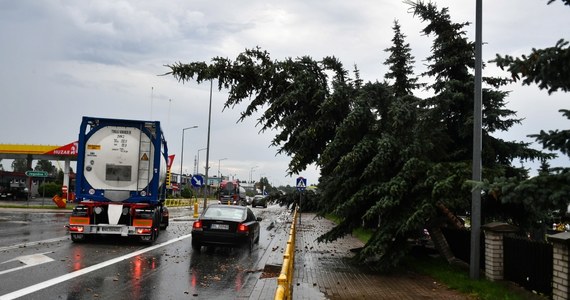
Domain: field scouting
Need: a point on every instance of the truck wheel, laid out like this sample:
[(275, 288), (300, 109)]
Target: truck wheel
[(77, 237), (164, 224)]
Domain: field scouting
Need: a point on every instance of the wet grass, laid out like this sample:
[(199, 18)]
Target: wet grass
[(456, 277)]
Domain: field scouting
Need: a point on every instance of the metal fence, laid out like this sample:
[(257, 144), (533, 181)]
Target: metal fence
[(528, 263)]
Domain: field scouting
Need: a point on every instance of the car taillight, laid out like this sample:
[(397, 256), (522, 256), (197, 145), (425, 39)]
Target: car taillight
[(197, 225), (242, 228)]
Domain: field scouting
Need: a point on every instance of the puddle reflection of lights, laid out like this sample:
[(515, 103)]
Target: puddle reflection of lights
[(136, 272), (77, 259), (239, 280), (194, 279), (139, 266)]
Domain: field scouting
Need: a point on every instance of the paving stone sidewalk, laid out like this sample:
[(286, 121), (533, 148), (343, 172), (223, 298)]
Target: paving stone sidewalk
[(323, 271)]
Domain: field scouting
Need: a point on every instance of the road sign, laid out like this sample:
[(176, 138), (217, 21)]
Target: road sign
[(197, 180), (301, 183), (36, 173)]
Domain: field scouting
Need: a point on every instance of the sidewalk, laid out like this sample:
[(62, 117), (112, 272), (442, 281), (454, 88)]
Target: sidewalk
[(323, 271)]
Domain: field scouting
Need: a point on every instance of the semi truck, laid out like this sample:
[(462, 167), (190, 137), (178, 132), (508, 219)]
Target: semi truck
[(231, 193), (121, 180)]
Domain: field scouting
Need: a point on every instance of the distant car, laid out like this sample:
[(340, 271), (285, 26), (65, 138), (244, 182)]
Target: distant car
[(259, 200), (226, 226), (14, 193)]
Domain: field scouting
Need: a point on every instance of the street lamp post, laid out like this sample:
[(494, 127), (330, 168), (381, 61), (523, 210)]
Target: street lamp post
[(219, 160), (474, 259), (198, 160), (182, 153), (251, 172), (208, 144)]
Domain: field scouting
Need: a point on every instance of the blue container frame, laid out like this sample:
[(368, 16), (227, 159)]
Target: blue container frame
[(155, 192)]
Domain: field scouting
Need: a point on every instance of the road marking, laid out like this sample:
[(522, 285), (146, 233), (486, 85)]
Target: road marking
[(24, 245), (28, 261), (42, 285)]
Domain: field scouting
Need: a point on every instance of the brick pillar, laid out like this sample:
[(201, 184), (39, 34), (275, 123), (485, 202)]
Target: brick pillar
[(494, 233), (560, 263)]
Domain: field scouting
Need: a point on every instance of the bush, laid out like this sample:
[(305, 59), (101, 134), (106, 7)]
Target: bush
[(51, 189), (187, 193)]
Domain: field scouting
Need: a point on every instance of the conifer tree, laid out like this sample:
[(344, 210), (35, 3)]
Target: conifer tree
[(549, 191)]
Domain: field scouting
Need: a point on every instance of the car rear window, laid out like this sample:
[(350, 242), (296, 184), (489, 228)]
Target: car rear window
[(224, 213)]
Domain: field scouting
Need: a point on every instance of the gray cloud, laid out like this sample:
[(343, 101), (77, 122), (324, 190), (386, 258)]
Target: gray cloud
[(65, 59)]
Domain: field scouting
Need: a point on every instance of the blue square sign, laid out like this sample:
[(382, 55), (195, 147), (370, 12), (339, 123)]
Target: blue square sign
[(301, 183)]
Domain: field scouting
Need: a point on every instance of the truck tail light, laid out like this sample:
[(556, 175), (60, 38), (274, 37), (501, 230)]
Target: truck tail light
[(143, 230), (76, 228)]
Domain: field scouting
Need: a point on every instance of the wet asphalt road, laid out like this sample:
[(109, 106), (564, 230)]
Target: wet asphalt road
[(39, 261)]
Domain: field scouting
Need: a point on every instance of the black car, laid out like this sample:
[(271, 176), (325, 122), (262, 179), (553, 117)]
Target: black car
[(226, 225), (14, 193), (259, 200)]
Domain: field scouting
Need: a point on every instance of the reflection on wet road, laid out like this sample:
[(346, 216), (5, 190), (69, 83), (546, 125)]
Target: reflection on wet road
[(120, 268)]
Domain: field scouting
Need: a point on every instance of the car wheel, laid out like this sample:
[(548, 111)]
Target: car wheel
[(196, 246), (251, 244)]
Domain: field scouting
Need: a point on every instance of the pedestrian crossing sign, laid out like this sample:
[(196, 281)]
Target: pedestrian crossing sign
[(301, 183)]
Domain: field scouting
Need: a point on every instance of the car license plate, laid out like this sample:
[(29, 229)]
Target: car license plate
[(220, 226)]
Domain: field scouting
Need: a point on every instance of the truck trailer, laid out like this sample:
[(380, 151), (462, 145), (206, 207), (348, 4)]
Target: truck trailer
[(231, 193), (120, 180)]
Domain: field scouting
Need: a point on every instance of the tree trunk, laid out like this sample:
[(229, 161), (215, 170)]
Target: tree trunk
[(440, 243), (450, 216)]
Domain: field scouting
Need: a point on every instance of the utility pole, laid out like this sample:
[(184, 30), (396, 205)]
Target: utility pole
[(208, 148), (474, 269)]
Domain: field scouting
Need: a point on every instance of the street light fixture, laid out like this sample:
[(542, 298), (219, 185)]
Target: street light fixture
[(198, 160), (182, 152), (219, 160)]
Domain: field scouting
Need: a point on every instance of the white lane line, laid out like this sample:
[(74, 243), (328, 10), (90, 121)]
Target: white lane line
[(42, 285), (24, 245)]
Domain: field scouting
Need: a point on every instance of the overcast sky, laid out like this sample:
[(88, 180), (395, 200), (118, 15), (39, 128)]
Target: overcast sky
[(61, 60)]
